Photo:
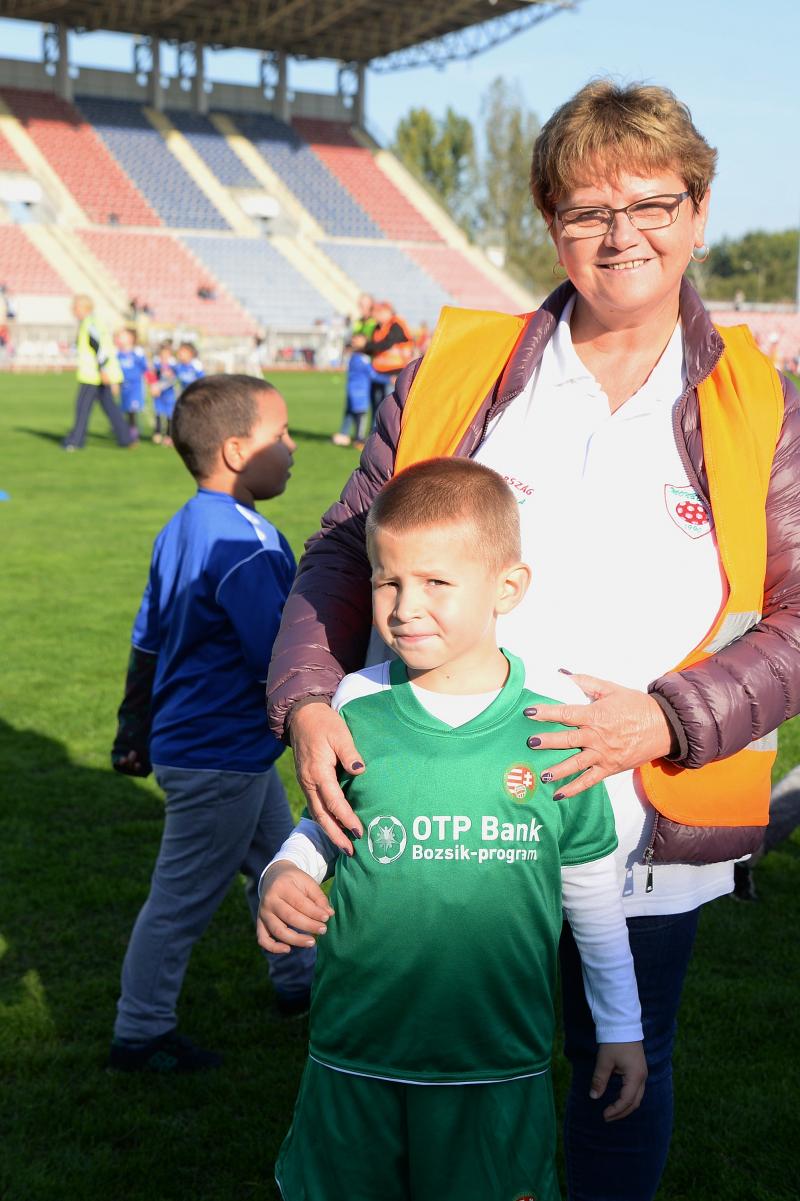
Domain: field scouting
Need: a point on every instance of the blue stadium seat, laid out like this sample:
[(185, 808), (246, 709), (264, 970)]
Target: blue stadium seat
[(153, 168), (306, 176), (385, 271), (261, 280), (206, 140)]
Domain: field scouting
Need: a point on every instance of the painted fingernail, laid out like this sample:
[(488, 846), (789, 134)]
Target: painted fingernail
[(558, 796), (531, 712), (356, 833), (564, 671), (532, 742), (546, 777), (356, 766)]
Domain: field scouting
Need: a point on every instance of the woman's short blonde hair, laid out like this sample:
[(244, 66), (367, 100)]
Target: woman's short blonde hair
[(609, 129)]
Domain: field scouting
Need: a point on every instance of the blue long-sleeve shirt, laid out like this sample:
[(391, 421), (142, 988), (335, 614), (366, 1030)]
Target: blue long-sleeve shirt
[(219, 578)]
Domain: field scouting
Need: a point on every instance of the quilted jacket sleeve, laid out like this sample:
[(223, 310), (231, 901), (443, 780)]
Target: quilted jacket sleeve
[(746, 690), (328, 616)]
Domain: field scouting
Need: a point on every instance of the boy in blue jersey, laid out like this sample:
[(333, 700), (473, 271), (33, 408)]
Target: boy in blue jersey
[(163, 391), (433, 1010), (194, 708), (188, 367), (133, 364)]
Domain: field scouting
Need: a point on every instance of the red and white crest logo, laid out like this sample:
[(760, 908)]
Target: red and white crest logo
[(687, 510), (519, 781)]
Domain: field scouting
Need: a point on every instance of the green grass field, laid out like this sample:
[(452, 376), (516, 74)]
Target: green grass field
[(77, 845)]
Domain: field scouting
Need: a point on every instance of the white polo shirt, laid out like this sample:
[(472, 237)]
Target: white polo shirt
[(626, 574)]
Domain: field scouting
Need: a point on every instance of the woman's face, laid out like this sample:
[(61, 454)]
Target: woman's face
[(629, 273)]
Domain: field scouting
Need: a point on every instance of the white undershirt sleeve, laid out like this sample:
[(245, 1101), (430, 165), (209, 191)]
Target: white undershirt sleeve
[(593, 908), (310, 849)]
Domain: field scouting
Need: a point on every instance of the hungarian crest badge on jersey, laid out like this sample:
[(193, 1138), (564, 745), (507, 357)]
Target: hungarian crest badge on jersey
[(519, 781), (687, 510)]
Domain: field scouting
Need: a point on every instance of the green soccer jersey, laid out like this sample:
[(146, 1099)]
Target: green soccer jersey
[(440, 962)]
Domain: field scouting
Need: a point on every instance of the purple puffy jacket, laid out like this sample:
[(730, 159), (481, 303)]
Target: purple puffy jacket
[(715, 708)]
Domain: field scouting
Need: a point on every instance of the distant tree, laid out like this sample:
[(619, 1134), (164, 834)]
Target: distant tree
[(507, 215), (757, 268), (442, 154)]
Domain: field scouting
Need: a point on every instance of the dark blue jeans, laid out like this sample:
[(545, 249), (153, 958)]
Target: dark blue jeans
[(624, 1160)]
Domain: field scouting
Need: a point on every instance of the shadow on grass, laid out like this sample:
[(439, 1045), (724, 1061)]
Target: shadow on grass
[(310, 436), (77, 845)]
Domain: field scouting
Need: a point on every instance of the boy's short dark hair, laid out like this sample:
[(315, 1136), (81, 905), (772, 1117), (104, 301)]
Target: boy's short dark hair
[(209, 411), (452, 492)]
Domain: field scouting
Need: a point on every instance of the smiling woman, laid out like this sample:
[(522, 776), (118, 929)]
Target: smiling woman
[(654, 459)]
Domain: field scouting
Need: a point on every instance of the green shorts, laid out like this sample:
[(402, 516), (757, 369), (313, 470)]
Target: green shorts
[(355, 1138)]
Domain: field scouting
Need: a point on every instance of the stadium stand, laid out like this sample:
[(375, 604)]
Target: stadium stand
[(23, 269), (79, 158), (261, 280), (142, 152), (212, 148), (9, 159), (306, 176), (164, 274), (355, 168), (466, 284), (387, 270)]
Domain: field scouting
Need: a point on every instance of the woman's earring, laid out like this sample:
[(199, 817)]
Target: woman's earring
[(558, 271), (700, 253)]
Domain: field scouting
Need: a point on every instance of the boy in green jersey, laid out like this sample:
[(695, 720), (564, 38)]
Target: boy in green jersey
[(432, 1012)]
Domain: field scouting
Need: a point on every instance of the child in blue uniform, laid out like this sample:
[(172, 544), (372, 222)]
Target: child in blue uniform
[(188, 367), (133, 364), (164, 392), (360, 376), (194, 709)]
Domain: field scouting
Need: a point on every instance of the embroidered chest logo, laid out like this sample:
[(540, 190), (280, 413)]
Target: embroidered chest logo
[(687, 510), (386, 838), (519, 782)]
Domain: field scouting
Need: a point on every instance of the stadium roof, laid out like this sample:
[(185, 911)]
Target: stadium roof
[(409, 33)]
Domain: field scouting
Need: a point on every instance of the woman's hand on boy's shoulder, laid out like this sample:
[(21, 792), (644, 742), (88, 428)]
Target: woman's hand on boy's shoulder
[(321, 740)]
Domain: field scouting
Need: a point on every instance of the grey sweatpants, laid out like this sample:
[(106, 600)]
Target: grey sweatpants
[(217, 824)]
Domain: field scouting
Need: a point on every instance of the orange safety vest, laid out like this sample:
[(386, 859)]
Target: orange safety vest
[(741, 412), (396, 357)]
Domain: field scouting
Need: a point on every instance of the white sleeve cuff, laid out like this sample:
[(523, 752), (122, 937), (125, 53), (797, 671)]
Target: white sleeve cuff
[(593, 908), (310, 849)]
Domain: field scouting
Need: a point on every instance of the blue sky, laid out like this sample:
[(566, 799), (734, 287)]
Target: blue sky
[(734, 64)]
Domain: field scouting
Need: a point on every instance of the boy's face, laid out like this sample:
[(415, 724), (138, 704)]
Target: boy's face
[(434, 600), (125, 340), (185, 354), (268, 449)]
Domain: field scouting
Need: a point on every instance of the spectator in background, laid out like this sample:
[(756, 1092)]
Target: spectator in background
[(99, 377), (390, 347)]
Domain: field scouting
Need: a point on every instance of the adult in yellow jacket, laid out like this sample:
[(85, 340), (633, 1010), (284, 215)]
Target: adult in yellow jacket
[(99, 376)]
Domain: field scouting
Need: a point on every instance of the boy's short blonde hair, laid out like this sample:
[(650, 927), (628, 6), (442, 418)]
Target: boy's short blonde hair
[(457, 492), (610, 129)]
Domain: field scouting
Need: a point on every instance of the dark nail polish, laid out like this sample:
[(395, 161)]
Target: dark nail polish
[(356, 766), (532, 742), (531, 712), (564, 671), (546, 777), (558, 796), (355, 833)]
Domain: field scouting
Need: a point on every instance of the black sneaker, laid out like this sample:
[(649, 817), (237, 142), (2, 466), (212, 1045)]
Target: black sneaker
[(294, 1005), (170, 1052)]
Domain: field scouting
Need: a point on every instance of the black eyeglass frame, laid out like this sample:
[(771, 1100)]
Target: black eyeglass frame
[(611, 213)]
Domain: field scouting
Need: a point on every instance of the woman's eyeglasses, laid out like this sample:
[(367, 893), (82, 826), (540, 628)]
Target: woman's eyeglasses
[(656, 212)]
